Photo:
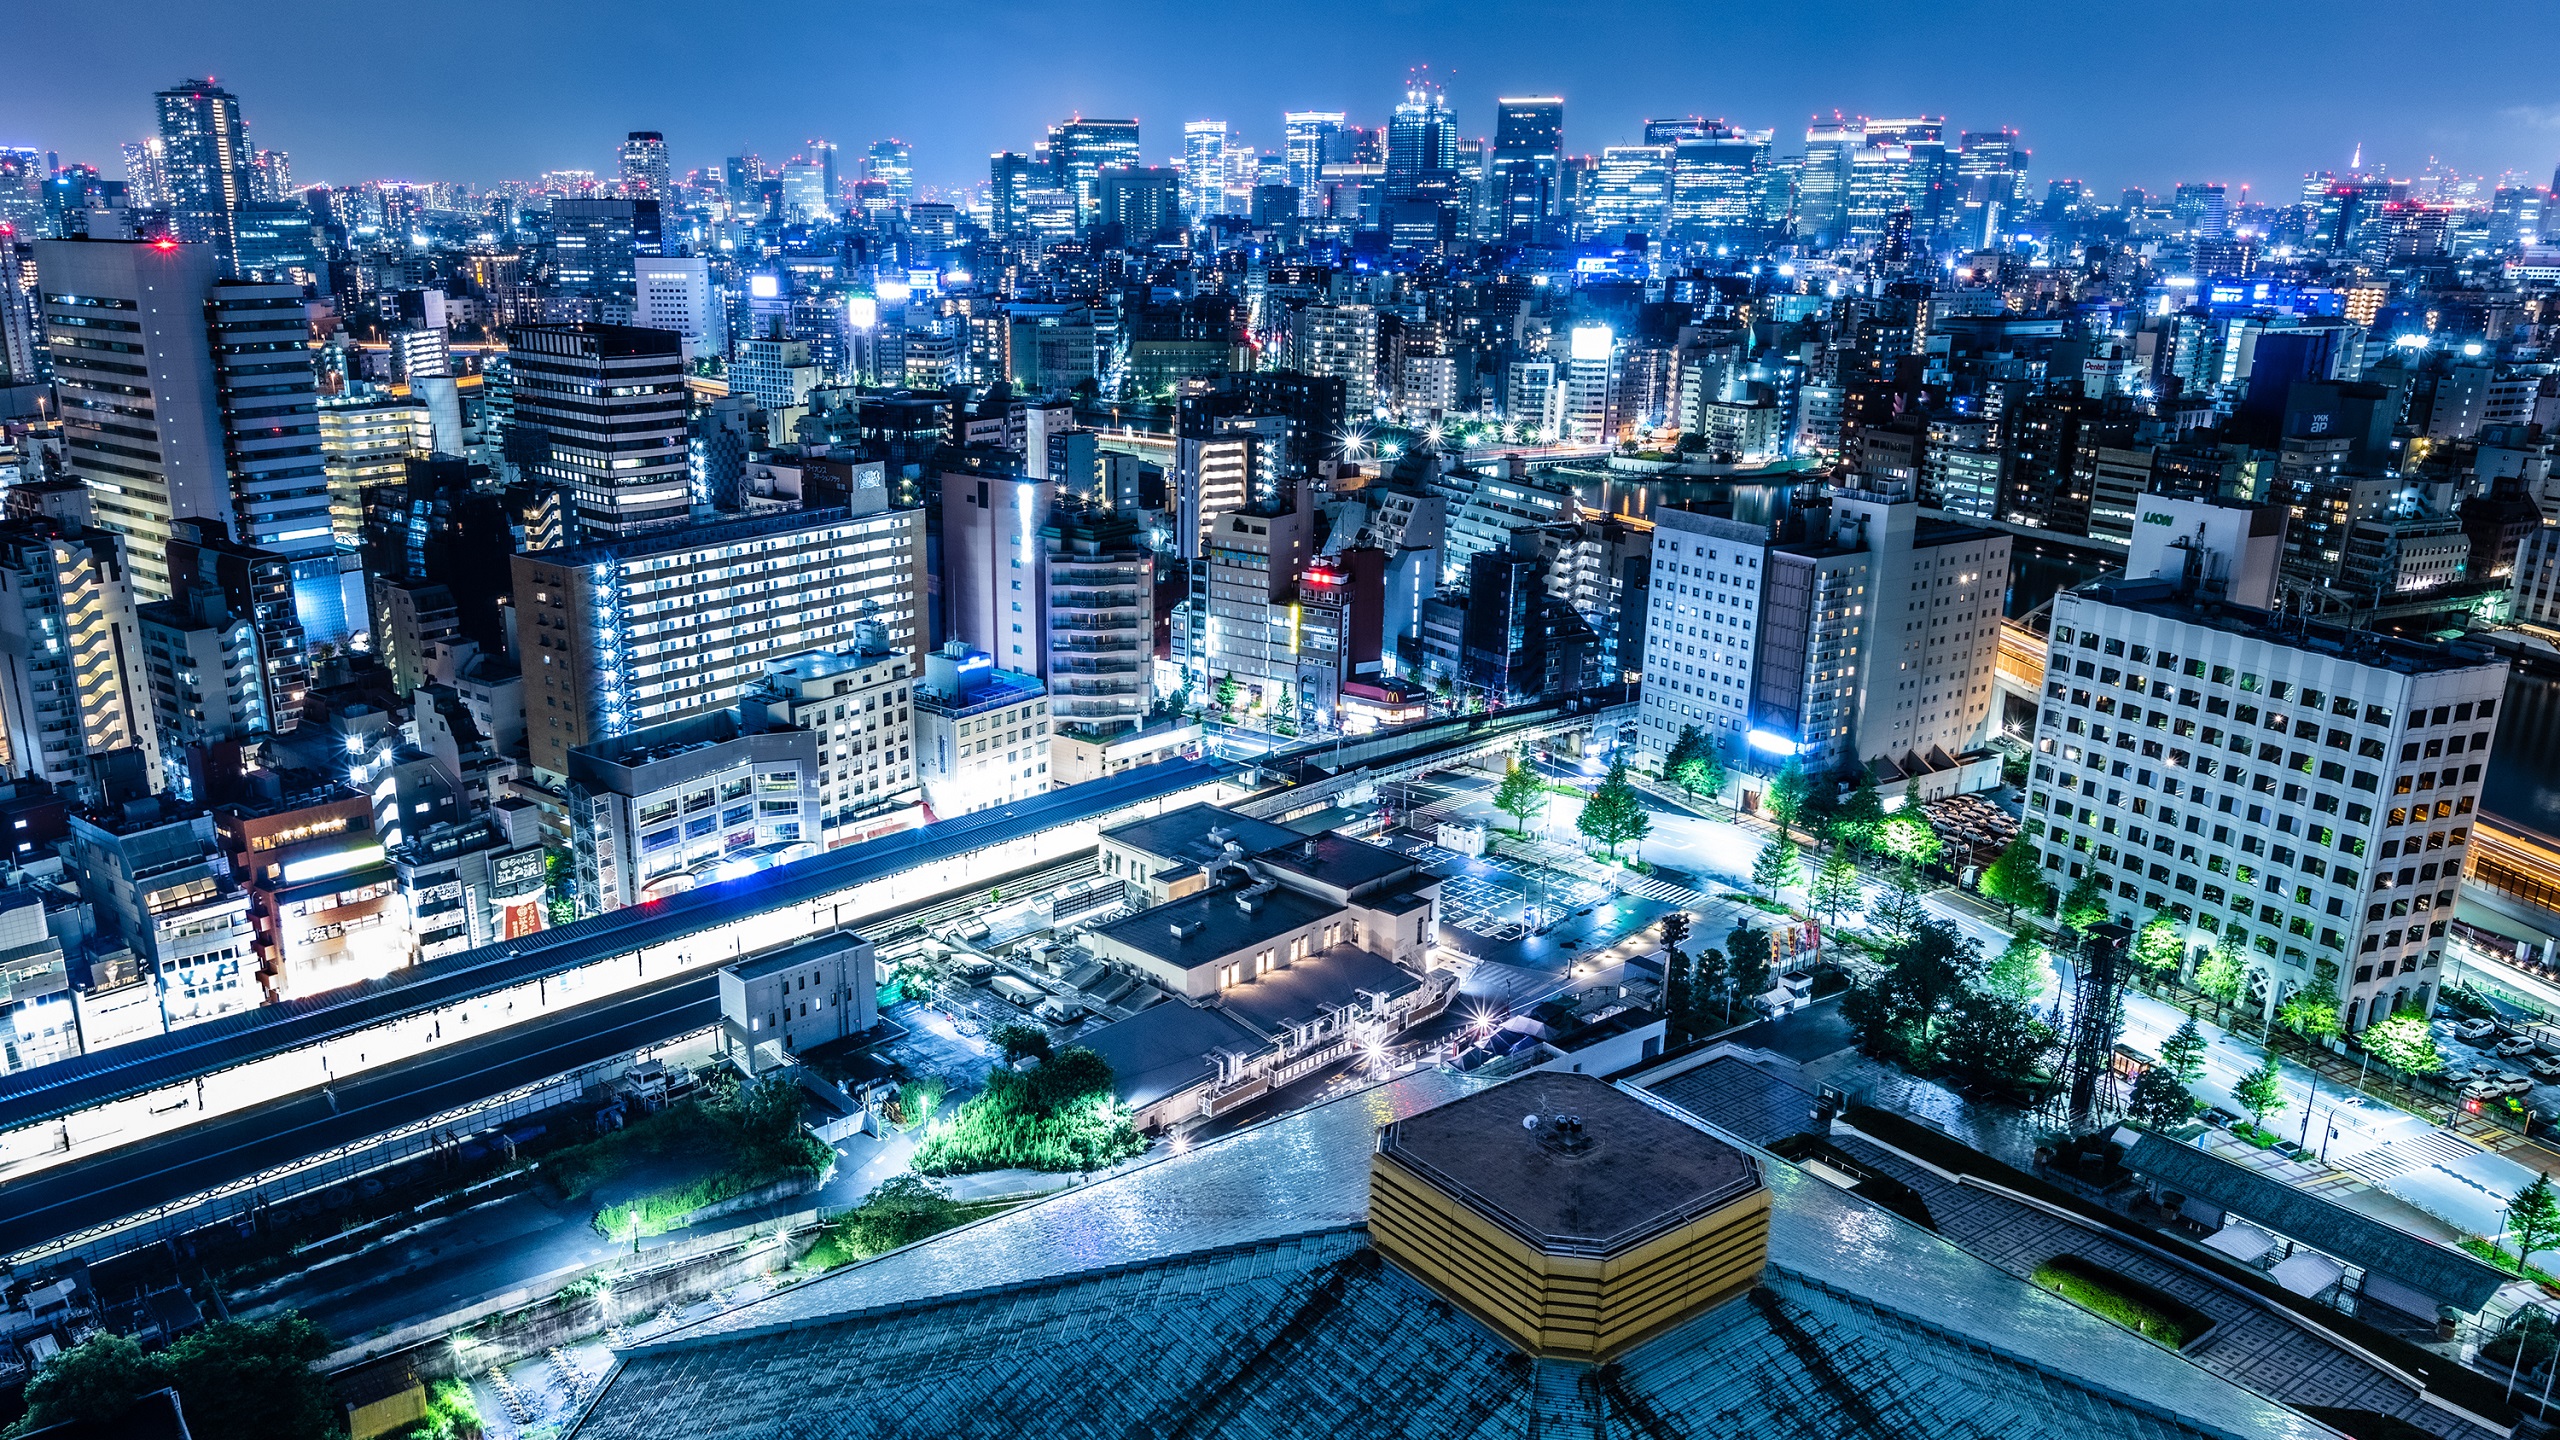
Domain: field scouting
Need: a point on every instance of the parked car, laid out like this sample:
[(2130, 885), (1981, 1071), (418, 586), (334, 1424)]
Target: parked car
[(2514, 1047), (2476, 1029), (2515, 1085), (2547, 1069)]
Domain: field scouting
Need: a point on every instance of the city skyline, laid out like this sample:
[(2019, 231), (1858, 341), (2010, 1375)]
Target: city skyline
[(2176, 115)]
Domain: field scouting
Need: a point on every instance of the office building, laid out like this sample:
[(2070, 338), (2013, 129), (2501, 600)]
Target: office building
[(126, 327), (601, 411), (368, 441), (982, 733), (1702, 631), (2302, 794), (674, 293), (596, 243), (1631, 191), (1310, 139), (660, 808), (464, 884), (1339, 342), (1717, 172), (1080, 150), (155, 872), (1590, 387), (1099, 640), (1527, 165), (859, 701), (271, 428), (891, 163), (627, 633), (1251, 565), (1204, 168), (1931, 631), (814, 993)]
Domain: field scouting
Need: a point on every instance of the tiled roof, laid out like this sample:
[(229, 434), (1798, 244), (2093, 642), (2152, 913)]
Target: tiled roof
[(1227, 1293)]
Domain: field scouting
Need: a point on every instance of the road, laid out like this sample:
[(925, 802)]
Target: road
[(55, 1202)]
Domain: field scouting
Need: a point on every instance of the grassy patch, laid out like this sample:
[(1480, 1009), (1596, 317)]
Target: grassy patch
[(2506, 1260), (2130, 1303), (902, 1210), (746, 1135), (1059, 1115)]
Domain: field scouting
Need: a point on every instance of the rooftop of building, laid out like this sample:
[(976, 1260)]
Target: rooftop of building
[(2163, 599), (993, 691), (1167, 1048), (810, 666), (670, 739), (1215, 923), (1341, 861), (688, 537), (1568, 1162), (807, 952), (1231, 1290), (1199, 833), (1278, 1001)]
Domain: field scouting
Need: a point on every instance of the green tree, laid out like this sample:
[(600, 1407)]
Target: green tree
[(1835, 885), (918, 1099), (2533, 1218), (1902, 1014), (1521, 794), (1710, 980), (1907, 836), (2404, 1043), (2220, 973), (2016, 879), (2085, 905), (1615, 815), (2020, 973), (1860, 821), (1021, 1042), (2182, 1054), (2261, 1091), (1994, 1040), (1225, 695), (1677, 980), (1688, 745), (1747, 965), (93, 1382), (2310, 1015), (2161, 1100), (1785, 798), (1779, 867), (1898, 913), (237, 1380), (1700, 772), (2157, 947)]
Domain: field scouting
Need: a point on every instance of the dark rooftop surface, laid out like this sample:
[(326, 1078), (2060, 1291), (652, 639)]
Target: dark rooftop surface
[(1164, 1049), (1340, 861), (1225, 925), (1641, 1171), (2361, 647), (1184, 833)]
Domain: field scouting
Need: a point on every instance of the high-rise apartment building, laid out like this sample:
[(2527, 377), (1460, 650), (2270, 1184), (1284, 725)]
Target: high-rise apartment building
[(205, 162), (270, 400), (72, 682), (364, 442), (608, 405), (1100, 644), (624, 633), (644, 164), (1340, 342)]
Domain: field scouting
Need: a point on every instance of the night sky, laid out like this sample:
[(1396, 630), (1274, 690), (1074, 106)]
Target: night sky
[(2115, 94)]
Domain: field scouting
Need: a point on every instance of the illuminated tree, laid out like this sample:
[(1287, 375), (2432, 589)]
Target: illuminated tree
[(1521, 794), (2261, 1092), (1780, 867), (2404, 1043), (2020, 974), (2017, 880), (1835, 885)]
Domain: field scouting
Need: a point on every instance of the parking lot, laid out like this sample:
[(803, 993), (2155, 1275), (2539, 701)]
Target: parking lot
[(2475, 1058)]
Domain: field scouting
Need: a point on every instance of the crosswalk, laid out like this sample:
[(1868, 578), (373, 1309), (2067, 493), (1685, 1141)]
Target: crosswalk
[(2399, 1156)]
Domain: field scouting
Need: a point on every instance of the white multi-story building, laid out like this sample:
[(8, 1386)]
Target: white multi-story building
[(1591, 385), (1702, 630), (664, 807), (1933, 627), (674, 293), (1339, 340), (1532, 401), (982, 734), (858, 701), (2305, 791)]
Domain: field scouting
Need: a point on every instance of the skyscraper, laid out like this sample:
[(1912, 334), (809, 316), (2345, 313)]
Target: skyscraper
[(644, 164), (1633, 190), (1528, 156), (146, 174), (1079, 150), (1204, 168), (270, 400), (1422, 138), (1309, 140), (595, 242), (1010, 180), (1716, 175), (205, 158), (1991, 176), (893, 164)]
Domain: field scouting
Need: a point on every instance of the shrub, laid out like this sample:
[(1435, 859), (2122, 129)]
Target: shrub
[(2147, 1312), (1058, 1115)]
